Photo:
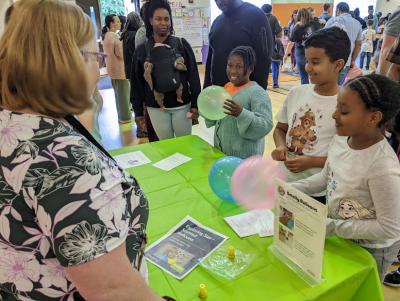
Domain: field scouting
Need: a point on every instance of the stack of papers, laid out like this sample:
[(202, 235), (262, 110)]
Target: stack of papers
[(259, 222), (138, 158)]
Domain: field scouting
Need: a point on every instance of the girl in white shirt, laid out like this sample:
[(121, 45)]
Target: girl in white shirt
[(362, 173)]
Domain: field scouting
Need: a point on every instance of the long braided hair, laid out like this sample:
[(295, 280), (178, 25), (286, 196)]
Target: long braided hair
[(247, 54), (380, 93)]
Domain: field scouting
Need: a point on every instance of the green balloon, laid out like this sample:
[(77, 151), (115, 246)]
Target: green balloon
[(211, 102)]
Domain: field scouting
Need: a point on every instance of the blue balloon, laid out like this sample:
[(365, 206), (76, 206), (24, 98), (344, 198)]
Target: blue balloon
[(220, 175)]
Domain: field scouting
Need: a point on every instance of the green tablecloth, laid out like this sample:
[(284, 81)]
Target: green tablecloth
[(349, 271)]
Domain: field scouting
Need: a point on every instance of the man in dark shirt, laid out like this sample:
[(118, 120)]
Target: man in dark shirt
[(240, 24), (276, 28), (359, 19), (276, 31)]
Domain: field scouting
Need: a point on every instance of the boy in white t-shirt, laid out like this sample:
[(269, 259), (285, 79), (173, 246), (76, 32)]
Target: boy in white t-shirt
[(305, 126), (368, 38)]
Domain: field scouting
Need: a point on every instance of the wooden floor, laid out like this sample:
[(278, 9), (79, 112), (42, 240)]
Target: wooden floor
[(115, 135)]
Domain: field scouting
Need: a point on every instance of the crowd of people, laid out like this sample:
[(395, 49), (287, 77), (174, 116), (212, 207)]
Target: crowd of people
[(366, 37), (73, 223)]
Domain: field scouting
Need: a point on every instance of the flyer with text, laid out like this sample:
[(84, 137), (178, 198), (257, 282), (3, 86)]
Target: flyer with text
[(183, 247), (300, 227)]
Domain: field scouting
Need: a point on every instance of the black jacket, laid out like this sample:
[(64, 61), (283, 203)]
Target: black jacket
[(301, 33), (128, 44), (245, 26), (362, 22), (275, 30), (190, 79)]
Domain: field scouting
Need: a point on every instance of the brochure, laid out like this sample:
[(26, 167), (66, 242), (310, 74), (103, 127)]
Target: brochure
[(180, 250)]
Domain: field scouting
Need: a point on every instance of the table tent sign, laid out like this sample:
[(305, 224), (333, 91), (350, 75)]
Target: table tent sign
[(299, 232)]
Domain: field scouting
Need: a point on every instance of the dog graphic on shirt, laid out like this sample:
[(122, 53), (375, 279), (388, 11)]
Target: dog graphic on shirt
[(303, 134)]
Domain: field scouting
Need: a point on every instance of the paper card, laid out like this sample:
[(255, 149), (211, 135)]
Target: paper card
[(253, 222), (266, 224), (171, 162), (299, 234), (131, 159), (180, 250)]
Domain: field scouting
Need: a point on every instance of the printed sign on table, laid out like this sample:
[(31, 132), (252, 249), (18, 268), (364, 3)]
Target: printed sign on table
[(299, 231)]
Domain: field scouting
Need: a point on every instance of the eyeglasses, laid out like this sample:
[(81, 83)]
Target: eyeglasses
[(93, 55)]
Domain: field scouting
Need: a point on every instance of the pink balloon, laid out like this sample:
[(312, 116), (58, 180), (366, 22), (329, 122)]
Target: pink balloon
[(253, 183)]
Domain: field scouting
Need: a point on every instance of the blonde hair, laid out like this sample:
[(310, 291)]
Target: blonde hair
[(41, 66), (362, 212)]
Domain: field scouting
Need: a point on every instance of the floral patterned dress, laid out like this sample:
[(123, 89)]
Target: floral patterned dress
[(62, 203)]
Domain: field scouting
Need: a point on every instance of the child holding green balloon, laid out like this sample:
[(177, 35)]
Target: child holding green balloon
[(249, 118)]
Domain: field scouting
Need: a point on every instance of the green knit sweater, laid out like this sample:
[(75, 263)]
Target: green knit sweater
[(243, 136)]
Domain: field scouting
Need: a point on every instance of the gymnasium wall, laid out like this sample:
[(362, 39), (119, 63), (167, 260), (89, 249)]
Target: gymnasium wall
[(283, 9)]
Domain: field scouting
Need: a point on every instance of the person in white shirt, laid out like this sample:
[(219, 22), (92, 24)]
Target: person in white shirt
[(362, 172), (368, 38), (305, 127)]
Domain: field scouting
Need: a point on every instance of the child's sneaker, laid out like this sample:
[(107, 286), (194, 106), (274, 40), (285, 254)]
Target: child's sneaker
[(392, 279)]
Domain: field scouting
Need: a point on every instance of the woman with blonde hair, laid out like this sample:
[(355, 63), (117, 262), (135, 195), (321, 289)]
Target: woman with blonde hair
[(72, 222)]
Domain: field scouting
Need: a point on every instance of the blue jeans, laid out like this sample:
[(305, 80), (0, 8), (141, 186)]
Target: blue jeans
[(301, 66), (275, 66), (171, 122), (363, 55), (384, 257), (343, 74)]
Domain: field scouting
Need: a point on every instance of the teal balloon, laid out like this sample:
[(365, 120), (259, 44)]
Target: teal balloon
[(220, 175), (211, 102)]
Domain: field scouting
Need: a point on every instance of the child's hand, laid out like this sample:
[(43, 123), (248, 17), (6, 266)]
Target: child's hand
[(195, 113), (298, 164), (280, 153), (232, 108)]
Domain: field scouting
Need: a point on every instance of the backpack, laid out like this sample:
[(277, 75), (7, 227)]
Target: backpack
[(166, 78), (278, 51)]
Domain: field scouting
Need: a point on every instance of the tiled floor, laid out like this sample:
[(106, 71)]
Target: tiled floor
[(116, 135)]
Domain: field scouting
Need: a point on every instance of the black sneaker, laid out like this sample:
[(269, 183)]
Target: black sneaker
[(392, 279), (275, 87)]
